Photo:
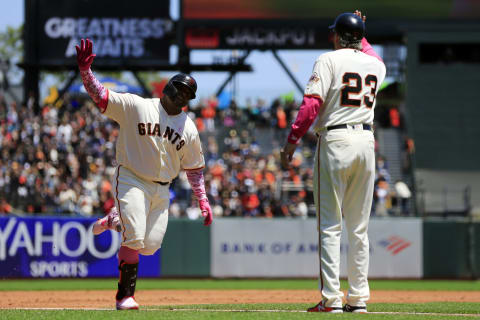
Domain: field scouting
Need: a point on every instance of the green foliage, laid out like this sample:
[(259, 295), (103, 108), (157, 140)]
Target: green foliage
[(11, 51), (11, 44)]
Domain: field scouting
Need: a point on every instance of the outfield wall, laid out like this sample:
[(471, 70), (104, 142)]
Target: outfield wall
[(451, 249), (52, 247), (57, 247), (289, 248)]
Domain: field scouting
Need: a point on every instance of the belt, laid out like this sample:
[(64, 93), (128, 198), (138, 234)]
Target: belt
[(162, 183), (345, 126)]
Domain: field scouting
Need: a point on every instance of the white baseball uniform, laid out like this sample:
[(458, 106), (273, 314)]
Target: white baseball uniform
[(347, 81), (152, 148)]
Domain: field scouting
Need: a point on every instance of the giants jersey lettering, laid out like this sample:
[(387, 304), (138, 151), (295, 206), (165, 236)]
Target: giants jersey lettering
[(154, 145), (347, 81)]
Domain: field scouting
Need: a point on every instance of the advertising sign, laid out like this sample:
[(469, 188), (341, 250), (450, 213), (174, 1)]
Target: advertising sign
[(254, 35), (301, 9), (124, 33), (289, 248), (56, 247)]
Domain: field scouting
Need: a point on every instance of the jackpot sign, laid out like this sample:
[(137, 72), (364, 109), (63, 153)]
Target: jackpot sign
[(124, 33), (54, 247)]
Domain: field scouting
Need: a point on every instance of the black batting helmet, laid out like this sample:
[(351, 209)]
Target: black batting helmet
[(349, 27), (180, 79)]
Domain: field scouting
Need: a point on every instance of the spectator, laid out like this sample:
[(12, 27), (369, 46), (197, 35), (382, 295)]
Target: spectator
[(208, 114), (382, 200), (70, 163), (5, 207), (402, 193)]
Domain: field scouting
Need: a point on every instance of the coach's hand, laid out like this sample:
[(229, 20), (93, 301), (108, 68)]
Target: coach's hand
[(85, 54), (286, 155), (206, 211), (359, 13)]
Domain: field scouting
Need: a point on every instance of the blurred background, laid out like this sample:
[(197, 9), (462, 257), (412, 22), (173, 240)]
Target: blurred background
[(251, 60)]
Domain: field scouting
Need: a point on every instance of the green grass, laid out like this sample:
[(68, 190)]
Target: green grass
[(250, 311), (196, 284), (432, 307), (243, 311)]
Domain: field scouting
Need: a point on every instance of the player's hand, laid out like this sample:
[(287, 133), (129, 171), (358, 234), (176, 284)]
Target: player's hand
[(286, 155), (359, 13), (206, 211), (85, 54)]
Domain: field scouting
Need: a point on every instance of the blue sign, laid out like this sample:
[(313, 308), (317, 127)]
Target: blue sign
[(55, 247)]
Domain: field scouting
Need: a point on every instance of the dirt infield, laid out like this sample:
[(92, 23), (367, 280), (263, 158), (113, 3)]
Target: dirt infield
[(104, 299)]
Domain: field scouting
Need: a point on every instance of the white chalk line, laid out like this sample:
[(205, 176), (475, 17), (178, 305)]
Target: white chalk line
[(244, 310)]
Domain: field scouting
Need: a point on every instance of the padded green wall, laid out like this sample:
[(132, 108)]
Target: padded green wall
[(186, 249), (443, 105), (446, 249)]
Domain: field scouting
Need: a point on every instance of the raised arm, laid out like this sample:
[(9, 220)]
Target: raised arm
[(196, 180), (94, 88), (366, 47)]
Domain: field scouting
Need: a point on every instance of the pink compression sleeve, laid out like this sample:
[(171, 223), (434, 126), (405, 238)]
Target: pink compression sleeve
[(305, 117), (128, 255), (368, 49), (95, 89), (195, 177)]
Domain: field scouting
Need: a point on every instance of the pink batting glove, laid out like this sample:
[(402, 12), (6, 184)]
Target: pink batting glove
[(85, 55), (206, 211)]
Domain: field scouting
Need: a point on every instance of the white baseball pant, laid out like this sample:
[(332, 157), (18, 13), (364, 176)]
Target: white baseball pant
[(143, 210), (343, 185)]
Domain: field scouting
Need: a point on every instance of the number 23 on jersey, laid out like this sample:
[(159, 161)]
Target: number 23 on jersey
[(353, 86)]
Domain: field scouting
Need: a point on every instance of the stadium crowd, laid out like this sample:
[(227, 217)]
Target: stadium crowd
[(62, 161)]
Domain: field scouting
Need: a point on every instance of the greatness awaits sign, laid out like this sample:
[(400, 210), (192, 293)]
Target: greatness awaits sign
[(124, 33), (112, 37)]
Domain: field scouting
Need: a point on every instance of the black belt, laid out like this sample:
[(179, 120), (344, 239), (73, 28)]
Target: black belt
[(344, 126), (162, 183)]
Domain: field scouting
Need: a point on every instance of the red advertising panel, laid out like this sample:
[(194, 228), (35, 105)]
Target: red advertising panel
[(308, 9), (303, 24)]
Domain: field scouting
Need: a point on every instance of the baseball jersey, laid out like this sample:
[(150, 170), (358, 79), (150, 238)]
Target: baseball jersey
[(347, 81), (151, 143)]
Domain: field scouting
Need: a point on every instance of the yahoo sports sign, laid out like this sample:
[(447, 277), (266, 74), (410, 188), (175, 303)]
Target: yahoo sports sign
[(54, 247)]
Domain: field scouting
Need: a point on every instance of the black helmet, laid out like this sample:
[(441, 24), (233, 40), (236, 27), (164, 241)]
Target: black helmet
[(349, 27), (180, 79)]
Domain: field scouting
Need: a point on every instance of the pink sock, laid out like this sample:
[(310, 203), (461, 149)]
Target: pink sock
[(128, 255)]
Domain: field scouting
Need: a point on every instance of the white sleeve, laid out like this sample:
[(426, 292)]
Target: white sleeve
[(193, 154), (119, 104), (321, 79)]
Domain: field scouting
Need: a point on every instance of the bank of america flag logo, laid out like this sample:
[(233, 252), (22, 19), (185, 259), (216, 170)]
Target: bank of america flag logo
[(395, 244)]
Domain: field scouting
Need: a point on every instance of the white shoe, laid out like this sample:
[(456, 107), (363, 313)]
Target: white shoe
[(127, 303), (110, 222)]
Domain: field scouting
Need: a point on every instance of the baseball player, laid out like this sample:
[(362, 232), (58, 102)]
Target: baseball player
[(340, 96), (156, 140)]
